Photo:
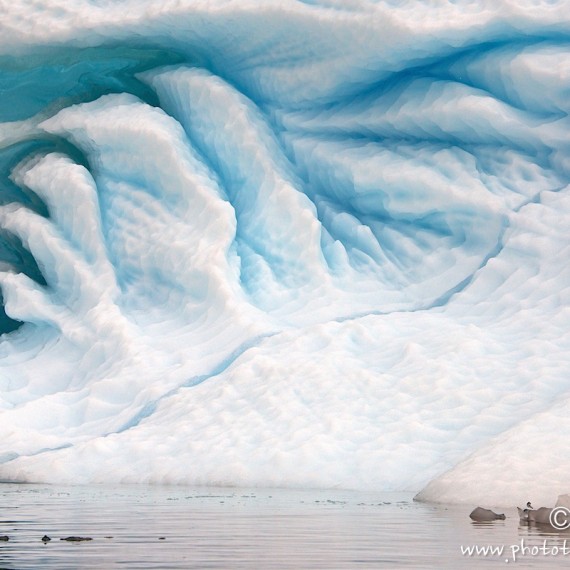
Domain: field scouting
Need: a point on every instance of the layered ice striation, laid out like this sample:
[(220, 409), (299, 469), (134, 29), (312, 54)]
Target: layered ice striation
[(312, 244)]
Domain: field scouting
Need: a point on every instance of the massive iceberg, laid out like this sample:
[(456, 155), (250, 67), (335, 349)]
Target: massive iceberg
[(286, 243)]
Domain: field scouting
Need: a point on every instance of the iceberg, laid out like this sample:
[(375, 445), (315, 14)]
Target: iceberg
[(298, 244)]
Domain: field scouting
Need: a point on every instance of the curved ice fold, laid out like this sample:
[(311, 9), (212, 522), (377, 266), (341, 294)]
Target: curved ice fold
[(234, 257), (276, 224), (146, 171)]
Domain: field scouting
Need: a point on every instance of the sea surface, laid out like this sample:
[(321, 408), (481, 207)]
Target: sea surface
[(216, 528)]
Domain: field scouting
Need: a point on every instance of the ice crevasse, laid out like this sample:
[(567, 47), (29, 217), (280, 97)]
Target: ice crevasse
[(299, 244)]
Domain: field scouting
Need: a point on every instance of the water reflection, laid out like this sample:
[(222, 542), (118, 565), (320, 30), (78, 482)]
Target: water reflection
[(175, 528)]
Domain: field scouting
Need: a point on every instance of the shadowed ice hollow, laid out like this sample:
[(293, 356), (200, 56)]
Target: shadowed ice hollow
[(299, 244)]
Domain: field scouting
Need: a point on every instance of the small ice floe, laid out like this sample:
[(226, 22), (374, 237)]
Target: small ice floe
[(529, 514), (557, 516), (541, 515), (481, 515)]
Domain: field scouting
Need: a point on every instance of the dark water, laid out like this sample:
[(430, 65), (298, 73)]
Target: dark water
[(186, 528)]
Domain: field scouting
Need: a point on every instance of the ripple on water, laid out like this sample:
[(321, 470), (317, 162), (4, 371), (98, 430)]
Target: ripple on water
[(160, 528)]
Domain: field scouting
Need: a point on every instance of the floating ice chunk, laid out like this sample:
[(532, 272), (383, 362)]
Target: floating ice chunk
[(496, 469)]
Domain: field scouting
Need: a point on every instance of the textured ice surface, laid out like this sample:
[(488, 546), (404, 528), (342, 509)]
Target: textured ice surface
[(299, 244)]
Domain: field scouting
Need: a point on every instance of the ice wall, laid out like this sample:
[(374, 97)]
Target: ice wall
[(286, 243)]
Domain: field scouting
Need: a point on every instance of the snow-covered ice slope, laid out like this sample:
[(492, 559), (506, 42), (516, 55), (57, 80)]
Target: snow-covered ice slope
[(318, 244)]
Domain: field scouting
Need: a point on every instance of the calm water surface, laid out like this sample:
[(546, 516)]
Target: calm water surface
[(203, 528)]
